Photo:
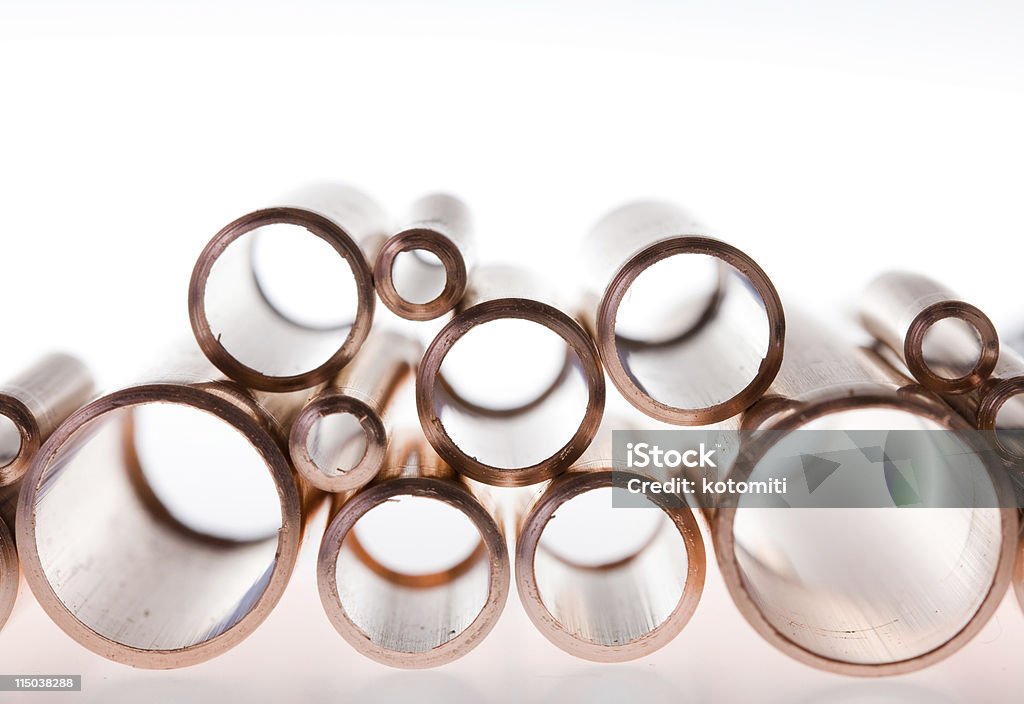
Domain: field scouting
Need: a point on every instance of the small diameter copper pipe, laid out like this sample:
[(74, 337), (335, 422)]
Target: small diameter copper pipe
[(409, 284), (239, 327), (904, 311), (847, 613), (997, 406), (33, 404), (707, 358), (405, 619), (625, 608), (339, 438), (500, 447), (114, 567)]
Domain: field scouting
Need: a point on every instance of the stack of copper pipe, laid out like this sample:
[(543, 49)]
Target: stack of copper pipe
[(316, 405)]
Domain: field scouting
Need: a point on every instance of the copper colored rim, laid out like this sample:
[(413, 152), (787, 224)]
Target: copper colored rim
[(991, 403), (288, 537), (316, 225), (624, 278), (913, 347), (10, 574), (562, 490), (493, 541), (28, 431), (370, 421), (428, 376), (723, 519), (438, 245)]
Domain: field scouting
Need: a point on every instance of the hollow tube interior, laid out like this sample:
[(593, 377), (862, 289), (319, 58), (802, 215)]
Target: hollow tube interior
[(951, 348), (689, 312), (415, 577), (866, 585), (1009, 425), (610, 575), (537, 372), (418, 276), (10, 440), (124, 568), (336, 443), (281, 300)]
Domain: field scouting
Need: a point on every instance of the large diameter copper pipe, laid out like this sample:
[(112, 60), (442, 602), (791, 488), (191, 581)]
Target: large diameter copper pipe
[(33, 404), (116, 568), (705, 361), (339, 438), (242, 331), (620, 609), (903, 310), (500, 436), (957, 561), (10, 569), (406, 619), (413, 287)]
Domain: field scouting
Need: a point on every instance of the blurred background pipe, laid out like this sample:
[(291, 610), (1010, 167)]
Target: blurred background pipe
[(690, 328), (282, 298), (861, 591), (602, 582), (430, 582), (555, 384), (421, 272), (340, 436), (948, 345), (159, 524)]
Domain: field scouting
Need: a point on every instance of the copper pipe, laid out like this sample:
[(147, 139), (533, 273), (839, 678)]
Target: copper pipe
[(114, 567), (33, 404), (404, 619), (867, 624), (627, 607), (10, 569), (417, 289), (339, 438), (239, 327), (495, 445), (704, 361), (997, 406), (901, 310)]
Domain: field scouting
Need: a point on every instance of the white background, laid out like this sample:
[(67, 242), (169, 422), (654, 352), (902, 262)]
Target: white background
[(829, 142)]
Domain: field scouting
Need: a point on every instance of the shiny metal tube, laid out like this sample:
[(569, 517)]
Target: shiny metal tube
[(33, 404), (859, 591), (437, 225), (529, 443), (113, 563), (401, 618), (339, 438), (905, 311), (708, 354), (10, 570), (236, 321), (622, 607), (997, 406)]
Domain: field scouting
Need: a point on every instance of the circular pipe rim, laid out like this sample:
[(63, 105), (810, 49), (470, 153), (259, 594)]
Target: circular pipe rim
[(318, 226), (288, 538), (616, 291)]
